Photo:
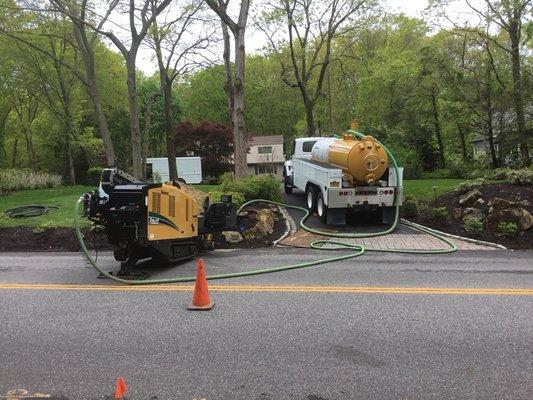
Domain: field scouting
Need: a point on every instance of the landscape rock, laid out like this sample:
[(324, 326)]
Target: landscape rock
[(497, 203), (472, 212), (470, 197), (457, 212), (520, 216), (264, 226), (232, 236), (479, 202)]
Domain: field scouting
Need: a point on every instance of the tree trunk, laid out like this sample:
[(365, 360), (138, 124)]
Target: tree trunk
[(490, 136), (71, 172), (147, 126), (228, 75), (166, 87), (490, 124), (101, 119), (309, 118), (462, 141), (29, 148), (171, 150), (134, 116), (514, 35), (87, 54), (239, 128), (3, 120), (14, 155), (438, 130)]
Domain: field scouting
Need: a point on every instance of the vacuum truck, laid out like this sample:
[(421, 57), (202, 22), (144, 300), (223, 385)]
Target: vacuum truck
[(343, 174)]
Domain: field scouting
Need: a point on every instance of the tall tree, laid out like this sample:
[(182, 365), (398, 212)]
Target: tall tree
[(180, 45), (509, 16), (141, 17), (80, 15), (309, 28), (238, 29)]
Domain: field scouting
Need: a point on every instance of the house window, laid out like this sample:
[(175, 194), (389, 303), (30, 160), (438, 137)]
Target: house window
[(264, 149), (261, 169)]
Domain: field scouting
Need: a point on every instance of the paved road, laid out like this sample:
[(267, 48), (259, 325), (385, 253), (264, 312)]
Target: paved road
[(380, 326)]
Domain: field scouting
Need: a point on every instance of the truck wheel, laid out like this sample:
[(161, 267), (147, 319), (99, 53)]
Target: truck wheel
[(311, 198), (321, 208), (286, 186)]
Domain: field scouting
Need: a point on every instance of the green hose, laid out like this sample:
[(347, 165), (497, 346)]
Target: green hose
[(317, 244)]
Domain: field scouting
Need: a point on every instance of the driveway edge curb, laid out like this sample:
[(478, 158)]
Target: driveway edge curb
[(475, 241)]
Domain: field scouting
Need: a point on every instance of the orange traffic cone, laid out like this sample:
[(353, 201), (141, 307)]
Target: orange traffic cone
[(200, 297), (120, 389)]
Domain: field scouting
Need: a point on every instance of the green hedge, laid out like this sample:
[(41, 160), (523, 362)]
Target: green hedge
[(252, 187)]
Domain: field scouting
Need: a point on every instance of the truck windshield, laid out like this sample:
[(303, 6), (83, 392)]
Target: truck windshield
[(308, 146)]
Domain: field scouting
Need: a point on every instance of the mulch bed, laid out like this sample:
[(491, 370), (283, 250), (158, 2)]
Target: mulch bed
[(24, 239), (522, 240)]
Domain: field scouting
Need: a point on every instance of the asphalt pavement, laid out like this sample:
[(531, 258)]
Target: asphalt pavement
[(380, 326)]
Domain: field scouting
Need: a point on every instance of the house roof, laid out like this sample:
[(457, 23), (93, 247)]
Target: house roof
[(264, 140)]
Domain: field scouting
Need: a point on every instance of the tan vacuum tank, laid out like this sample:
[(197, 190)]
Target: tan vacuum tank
[(363, 159)]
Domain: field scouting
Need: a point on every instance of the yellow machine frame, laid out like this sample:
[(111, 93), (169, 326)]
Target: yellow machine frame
[(165, 219)]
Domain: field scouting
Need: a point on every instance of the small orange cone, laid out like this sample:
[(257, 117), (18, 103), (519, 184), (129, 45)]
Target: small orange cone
[(120, 389), (200, 298)]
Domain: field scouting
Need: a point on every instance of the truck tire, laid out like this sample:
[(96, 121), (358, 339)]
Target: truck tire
[(286, 186), (311, 198), (321, 208)]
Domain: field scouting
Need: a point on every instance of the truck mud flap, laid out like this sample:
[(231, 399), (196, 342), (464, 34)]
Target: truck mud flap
[(336, 216)]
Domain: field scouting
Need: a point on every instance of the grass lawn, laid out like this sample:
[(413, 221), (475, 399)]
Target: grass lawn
[(206, 188), (64, 197), (423, 188)]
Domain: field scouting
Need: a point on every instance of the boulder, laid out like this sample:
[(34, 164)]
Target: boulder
[(232, 236), (264, 225), (457, 212), (520, 216), (497, 203), (472, 212), (470, 197)]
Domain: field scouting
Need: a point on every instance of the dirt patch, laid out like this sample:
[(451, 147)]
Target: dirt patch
[(53, 239), (514, 193), (248, 221), (64, 239)]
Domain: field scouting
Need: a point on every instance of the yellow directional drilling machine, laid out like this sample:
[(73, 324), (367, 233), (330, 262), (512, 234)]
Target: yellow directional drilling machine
[(154, 220)]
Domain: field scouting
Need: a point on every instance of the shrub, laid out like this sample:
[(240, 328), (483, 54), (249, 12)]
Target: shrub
[(522, 176), (458, 168), (235, 197), (93, 175), (508, 228), (440, 215), (474, 225), (465, 186), (12, 180), (156, 177), (252, 187), (410, 207)]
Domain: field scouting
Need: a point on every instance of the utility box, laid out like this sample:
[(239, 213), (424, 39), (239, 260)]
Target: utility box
[(189, 168)]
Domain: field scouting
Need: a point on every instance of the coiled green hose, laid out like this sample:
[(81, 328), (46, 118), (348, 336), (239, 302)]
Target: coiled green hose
[(317, 244)]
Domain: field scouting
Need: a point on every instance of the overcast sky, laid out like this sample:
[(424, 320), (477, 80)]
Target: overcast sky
[(413, 8)]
